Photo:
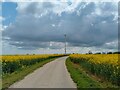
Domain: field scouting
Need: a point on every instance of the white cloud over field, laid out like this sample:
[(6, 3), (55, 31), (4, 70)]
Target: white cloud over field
[(41, 25)]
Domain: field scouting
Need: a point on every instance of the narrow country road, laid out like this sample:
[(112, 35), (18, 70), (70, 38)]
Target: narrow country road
[(51, 75)]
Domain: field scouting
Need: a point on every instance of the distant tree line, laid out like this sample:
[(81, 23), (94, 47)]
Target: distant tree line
[(90, 52)]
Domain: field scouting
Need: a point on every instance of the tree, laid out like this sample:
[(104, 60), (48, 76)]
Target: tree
[(89, 52)]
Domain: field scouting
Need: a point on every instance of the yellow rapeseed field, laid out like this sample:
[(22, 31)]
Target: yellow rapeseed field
[(99, 58), (105, 65), (12, 63)]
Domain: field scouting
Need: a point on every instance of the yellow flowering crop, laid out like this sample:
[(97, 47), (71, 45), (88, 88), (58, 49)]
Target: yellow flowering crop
[(105, 65), (11, 63)]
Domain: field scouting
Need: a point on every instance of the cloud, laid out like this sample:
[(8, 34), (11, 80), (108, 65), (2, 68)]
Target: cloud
[(43, 25), (111, 45), (60, 0)]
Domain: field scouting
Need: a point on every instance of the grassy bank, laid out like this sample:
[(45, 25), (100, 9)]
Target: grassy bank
[(82, 78), (9, 79)]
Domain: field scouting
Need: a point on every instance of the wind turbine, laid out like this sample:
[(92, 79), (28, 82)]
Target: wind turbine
[(65, 42)]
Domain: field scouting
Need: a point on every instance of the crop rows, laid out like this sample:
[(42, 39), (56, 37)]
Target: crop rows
[(13, 63), (104, 66)]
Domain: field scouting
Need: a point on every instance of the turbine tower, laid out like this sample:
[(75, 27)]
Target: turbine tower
[(65, 42)]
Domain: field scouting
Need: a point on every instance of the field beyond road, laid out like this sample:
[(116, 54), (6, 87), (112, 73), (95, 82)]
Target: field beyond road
[(51, 75)]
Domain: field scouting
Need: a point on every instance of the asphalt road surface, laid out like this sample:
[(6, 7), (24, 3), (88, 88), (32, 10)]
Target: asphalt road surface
[(51, 75)]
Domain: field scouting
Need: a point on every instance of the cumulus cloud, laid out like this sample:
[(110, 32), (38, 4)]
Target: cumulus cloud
[(43, 25)]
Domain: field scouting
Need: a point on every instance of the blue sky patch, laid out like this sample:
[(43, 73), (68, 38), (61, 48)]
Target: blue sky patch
[(9, 12)]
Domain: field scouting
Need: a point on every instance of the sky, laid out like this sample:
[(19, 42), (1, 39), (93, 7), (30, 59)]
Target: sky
[(39, 27)]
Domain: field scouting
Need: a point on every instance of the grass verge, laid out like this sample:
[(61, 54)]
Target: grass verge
[(83, 79), (8, 80)]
